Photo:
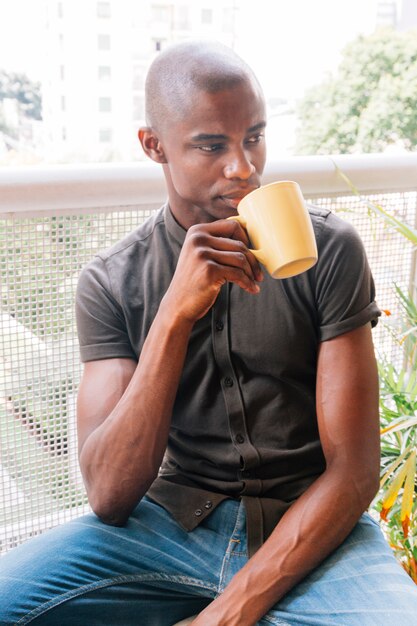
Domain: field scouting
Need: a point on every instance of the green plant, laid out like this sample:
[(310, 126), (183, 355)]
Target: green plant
[(396, 501)]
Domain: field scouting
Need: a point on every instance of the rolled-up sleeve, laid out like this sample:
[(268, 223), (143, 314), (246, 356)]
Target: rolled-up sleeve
[(345, 290)]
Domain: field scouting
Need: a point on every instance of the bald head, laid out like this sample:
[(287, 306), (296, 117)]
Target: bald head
[(183, 68)]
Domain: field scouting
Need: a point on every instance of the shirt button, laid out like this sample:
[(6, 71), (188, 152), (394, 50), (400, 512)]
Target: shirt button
[(228, 382), (208, 504), (198, 512), (240, 438), (219, 325)]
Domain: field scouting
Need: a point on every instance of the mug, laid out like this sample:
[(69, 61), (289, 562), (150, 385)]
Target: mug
[(279, 226)]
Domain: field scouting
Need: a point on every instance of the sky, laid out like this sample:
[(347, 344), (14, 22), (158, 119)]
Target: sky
[(295, 42), (20, 36)]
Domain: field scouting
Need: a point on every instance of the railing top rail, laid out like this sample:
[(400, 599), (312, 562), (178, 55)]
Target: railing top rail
[(85, 186)]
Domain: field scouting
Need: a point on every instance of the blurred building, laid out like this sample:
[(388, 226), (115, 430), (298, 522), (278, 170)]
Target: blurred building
[(386, 13), (98, 54), (407, 15), (399, 14)]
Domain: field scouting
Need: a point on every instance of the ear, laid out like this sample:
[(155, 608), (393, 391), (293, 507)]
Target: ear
[(151, 144)]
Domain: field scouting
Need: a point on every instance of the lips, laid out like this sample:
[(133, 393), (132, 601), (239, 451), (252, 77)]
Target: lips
[(233, 198), (238, 193), (231, 202)]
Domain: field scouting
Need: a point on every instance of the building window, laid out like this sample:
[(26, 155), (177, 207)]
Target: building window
[(105, 135), (63, 103), (158, 45), (386, 13), (104, 42), (104, 105), (104, 72), (103, 9), (161, 14), (206, 16), (62, 72), (181, 18)]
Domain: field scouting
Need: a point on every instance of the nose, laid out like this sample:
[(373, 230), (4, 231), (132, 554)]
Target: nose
[(239, 165)]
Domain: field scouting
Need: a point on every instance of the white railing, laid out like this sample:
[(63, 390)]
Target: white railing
[(52, 220), (43, 188)]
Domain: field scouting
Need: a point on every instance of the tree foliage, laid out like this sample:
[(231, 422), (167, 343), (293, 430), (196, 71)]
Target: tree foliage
[(28, 93), (369, 103)]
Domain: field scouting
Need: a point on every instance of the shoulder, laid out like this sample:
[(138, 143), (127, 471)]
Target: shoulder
[(138, 238), (336, 238), (109, 269), (327, 224), (118, 258)]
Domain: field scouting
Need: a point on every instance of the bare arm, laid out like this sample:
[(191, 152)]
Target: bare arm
[(124, 409), (347, 408), (124, 417)]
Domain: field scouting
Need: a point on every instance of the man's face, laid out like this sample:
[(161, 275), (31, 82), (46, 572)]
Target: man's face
[(216, 154)]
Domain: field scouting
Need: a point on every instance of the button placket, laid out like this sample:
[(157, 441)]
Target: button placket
[(229, 381)]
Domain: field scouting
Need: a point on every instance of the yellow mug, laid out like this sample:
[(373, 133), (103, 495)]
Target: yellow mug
[(279, 226)]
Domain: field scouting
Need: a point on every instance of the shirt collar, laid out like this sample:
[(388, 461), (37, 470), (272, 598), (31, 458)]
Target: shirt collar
[(175, 230)]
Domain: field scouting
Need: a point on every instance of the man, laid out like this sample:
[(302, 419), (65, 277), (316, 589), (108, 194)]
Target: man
[(228, 422)]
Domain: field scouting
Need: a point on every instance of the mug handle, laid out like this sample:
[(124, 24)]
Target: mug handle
[(258, 254)]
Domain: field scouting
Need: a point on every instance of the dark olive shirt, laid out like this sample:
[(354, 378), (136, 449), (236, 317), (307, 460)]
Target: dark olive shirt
[(244, 422)]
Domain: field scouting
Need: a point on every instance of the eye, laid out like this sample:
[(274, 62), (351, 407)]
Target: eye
[(255, 138), (215, 147)]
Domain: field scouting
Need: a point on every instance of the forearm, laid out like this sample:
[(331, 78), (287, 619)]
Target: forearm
[(318, 522), (121, 458), (310, 530)]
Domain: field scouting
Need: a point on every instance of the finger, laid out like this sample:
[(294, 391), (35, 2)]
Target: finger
[(239, 260), (255, 267), (240, 278), (236, 245), (218, 272), (238, 233), (231, 229), (224, 235)]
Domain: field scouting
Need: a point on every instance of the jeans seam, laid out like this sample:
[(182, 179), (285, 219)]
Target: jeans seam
[(79, 591)]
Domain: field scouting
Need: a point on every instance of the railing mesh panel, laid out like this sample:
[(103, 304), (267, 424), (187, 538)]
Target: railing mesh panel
[(40, 258)]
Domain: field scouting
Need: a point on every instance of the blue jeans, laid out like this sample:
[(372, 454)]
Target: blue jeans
[(153, 573)]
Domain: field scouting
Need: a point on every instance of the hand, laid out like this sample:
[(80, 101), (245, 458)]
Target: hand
[(212, 255)]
